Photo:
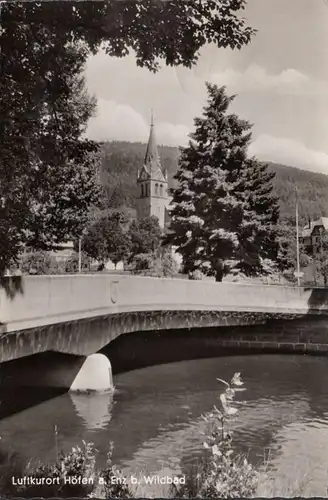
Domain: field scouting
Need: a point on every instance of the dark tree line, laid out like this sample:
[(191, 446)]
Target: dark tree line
[(121, 158)]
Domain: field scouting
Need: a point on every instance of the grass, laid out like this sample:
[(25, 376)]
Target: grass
[(272, 483), (143, 490), (277, 482)]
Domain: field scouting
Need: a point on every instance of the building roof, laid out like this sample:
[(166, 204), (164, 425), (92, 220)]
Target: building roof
[(307, 230), (152, 163)]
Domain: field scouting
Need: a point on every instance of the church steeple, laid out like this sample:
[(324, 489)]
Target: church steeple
[(152, 183), (152, 160)]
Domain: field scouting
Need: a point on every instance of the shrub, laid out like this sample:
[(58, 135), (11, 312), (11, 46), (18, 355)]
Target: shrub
[(195, 275), (72, 263), (142, 263), (74, 474), (160, 264), (79, 462), (38, 263), (169, 265), (111, 482)]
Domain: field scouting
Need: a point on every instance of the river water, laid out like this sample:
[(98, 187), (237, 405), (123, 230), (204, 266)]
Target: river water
[(154, 418)]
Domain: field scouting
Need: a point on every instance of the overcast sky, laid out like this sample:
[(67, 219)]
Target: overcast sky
[(281, 80)]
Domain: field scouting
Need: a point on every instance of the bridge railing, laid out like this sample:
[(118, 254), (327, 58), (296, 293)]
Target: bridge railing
[(53, 299)]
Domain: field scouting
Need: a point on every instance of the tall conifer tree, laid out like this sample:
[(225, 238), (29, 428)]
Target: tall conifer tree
[(223, 213)]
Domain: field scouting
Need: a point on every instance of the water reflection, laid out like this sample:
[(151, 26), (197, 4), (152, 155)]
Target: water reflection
[(95, 410), (154, 416)]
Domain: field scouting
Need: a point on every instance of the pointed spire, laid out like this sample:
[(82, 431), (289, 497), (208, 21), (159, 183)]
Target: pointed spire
[(152, 160)]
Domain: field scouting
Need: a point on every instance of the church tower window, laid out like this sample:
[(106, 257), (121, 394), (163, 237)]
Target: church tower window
[(156, 189)]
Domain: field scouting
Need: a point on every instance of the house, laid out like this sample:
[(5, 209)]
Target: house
[(311, 235)]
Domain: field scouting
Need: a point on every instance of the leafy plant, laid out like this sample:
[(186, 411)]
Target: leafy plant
[(112, 482), (223, 473)]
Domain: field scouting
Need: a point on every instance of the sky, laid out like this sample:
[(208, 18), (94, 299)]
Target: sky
[(280, 78)]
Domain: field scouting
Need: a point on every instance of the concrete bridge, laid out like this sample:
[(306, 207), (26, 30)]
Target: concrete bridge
[(51, 324)]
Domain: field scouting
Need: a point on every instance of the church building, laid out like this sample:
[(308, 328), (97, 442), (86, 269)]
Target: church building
[(153, 197)]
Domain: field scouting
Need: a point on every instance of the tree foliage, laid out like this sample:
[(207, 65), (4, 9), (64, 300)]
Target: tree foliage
[(287, 254), (177, 30), (107, 239), (160, 264), (46, 169), (224, 212), (258, 232), (320, 259), (49, 174), (145, 235)]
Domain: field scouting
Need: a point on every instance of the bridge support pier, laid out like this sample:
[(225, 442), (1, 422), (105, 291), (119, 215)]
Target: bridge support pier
[(94, 375)]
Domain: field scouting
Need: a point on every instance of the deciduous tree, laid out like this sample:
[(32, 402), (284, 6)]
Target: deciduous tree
[(48, 172), (287, 247), (107, 239), (145, 235), (46, 167)]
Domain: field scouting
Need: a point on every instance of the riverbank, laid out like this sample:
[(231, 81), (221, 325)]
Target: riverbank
[(14, 482), (75, 474)]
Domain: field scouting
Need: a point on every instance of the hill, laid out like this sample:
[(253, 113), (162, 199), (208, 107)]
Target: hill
[(121, 161)]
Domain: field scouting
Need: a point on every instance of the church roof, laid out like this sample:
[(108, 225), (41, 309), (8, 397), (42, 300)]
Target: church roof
[(152, 162)]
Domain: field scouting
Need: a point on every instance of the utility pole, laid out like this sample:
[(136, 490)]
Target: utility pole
[(298, 273), (321, 257), (80, 254)]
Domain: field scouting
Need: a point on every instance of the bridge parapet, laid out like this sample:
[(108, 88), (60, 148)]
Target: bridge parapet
[(45, 300)]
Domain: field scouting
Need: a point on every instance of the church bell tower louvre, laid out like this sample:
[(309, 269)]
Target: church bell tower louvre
[(153, 198)]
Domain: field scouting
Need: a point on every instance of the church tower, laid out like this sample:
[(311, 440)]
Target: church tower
[(153, 198)]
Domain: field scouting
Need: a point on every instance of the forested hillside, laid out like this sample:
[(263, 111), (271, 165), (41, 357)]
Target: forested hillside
[(121, 161)]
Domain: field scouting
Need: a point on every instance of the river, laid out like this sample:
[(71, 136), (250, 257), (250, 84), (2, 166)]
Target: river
[(154, 417)]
